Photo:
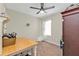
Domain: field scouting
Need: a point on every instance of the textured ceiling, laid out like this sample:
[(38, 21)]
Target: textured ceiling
[(25, 8)]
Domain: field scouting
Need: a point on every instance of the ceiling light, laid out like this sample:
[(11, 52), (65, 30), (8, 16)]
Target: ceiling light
[(41, 11)]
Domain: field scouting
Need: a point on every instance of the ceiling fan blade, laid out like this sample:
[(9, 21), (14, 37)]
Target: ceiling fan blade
[(38, 12), (44, 11), (35, 8), (69, 7), (49, 8), (77, 4)]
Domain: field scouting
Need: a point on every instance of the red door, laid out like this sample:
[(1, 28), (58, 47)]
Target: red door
[(71, 34)]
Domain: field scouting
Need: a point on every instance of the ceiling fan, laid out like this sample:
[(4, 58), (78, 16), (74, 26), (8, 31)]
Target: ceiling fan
[(42, 8)]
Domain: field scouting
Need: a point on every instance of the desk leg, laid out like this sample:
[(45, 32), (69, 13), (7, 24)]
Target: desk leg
[(34, 51)]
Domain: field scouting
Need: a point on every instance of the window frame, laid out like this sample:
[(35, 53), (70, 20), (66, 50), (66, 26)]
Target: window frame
[(44, 27)]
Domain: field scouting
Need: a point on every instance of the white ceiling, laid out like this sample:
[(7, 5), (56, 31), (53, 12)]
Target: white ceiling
[(25, 8)]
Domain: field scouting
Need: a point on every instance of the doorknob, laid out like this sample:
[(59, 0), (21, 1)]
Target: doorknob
[(61, 44)]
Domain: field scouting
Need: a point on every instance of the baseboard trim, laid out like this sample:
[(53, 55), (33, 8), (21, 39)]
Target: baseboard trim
[(52, 43)]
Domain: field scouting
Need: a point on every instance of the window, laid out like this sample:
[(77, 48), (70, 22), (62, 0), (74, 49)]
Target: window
[(47, 28)]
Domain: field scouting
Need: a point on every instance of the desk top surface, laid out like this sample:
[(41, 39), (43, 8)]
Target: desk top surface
[(21, 43)]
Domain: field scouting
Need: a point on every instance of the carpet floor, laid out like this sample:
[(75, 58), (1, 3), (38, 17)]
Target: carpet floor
[(48, 49)]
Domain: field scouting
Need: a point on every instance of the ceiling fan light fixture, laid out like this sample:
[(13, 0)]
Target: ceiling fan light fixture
[(42, 9), (42, 12)]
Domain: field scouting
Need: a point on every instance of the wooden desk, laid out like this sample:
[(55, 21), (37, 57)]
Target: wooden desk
[(21, 45)]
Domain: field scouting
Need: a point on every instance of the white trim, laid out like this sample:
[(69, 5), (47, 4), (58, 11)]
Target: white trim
[(52, 42)]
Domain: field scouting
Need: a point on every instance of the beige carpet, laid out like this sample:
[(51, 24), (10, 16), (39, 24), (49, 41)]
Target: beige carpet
[(47, 49)]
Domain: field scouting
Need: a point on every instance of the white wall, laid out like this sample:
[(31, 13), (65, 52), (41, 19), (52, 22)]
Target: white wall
[(18, 23), (2, 9), (56, 28)]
